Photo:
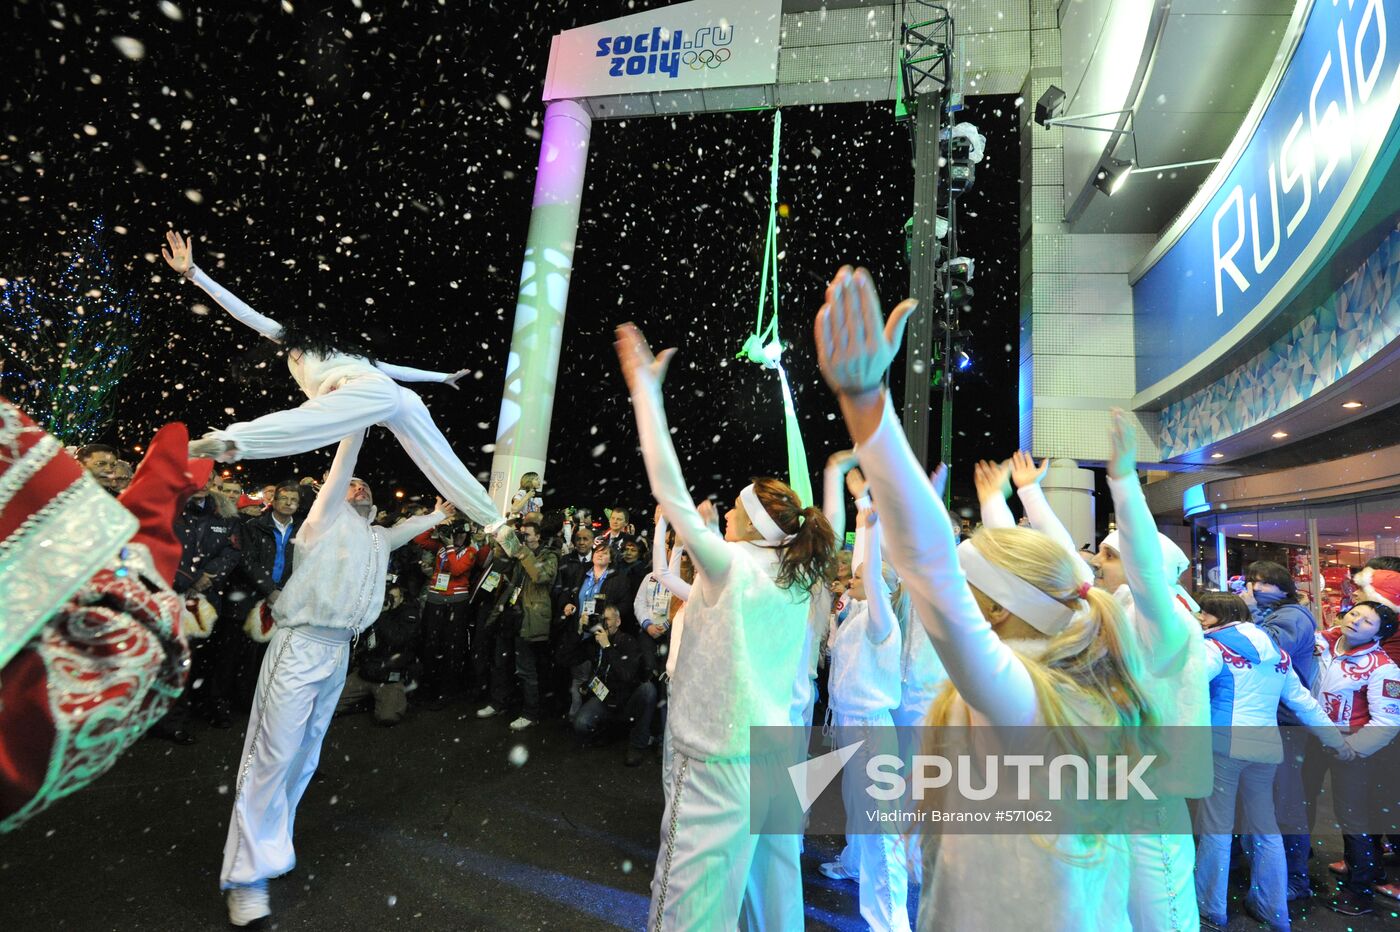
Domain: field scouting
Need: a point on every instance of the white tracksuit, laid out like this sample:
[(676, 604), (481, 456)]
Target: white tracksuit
[(336, 590), (1161, 890), (866, 654), (349, 394), (743, 651)]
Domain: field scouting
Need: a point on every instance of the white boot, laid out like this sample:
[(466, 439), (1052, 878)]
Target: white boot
[(247, 904)]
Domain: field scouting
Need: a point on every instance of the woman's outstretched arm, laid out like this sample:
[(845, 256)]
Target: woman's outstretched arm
[(180, 256), (855, 347), (644, 374), (410, 374)]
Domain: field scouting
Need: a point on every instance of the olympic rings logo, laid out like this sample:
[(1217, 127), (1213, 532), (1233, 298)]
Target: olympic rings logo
[(706, 58)]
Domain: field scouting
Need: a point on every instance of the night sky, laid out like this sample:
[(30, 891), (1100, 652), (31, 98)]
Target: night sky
[(375, 161)]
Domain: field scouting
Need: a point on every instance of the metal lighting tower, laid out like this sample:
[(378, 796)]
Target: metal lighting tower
[(926, 65)]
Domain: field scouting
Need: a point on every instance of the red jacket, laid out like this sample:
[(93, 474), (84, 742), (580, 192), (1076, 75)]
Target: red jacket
[(455, 562)]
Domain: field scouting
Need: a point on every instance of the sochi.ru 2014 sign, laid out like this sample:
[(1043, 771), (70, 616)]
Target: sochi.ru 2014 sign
[(705, 43), (1283, 196)]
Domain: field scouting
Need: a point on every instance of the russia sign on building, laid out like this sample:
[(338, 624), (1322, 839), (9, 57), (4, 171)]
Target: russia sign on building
[(688, 46), (1285, 194)]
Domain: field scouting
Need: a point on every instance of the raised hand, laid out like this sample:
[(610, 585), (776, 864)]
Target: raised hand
[(708, 514), (855, 344), (178, 252), (1025, 472), (449, 511), (856, 484), (1122, 436), (456, 377), (939, 479), (991, 480), (640, 368)]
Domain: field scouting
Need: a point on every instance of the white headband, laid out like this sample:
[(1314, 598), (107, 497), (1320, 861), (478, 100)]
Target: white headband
[(1174, 563), (761, 520), (1042, 612)]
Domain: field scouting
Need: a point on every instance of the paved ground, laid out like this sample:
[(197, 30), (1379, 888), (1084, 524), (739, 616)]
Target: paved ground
[(426, 826)]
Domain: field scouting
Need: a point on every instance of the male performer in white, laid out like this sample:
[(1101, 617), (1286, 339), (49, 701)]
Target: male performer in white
[(335, 592)]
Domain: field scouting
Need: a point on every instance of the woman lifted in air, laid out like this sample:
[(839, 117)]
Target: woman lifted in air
[(348, 391)]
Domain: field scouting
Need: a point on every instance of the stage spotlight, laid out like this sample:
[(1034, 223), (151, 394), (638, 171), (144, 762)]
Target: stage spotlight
[(1048, 105), (1112, 175), (964, 360), (961, 170)]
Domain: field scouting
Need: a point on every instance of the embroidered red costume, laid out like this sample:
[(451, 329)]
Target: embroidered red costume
[(91, 651)]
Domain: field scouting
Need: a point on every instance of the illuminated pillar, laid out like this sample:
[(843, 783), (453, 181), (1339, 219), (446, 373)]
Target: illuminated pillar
[(527, 403)]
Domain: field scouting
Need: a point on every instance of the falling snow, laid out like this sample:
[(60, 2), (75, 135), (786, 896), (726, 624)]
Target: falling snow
[(339, 162)]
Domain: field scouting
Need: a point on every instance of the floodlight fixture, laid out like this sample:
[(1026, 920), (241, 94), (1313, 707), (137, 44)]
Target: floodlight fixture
[(1047, 110), (1112, 175), (1048, 104)]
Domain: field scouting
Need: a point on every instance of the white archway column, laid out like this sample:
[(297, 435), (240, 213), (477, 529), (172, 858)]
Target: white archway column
[(527, 403)]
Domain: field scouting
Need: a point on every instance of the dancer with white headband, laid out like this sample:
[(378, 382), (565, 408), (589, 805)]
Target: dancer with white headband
[(1141, 567), (1024, 640), (746, 623), (866, 651), (346, 392)]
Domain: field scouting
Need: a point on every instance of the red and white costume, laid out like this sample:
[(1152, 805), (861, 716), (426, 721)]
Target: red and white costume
[(90, 640), (1359, 689)]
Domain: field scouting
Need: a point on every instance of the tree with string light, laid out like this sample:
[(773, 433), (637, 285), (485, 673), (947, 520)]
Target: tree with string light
[(67, 340)]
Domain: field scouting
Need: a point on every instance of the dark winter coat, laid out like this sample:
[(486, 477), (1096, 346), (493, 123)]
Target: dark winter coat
[(209, 544), (1292, 628), (616, 590), (623, 665), (389, 653), (259, 547)]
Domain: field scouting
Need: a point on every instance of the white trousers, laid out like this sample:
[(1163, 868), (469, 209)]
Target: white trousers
[(712, 872), (1162, 886), (300, 680), (668, 761), (880, 860), (908, 720), (357, 405)]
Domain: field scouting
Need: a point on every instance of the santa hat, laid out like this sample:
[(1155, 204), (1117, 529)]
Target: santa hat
[(260, 622), (199, 617), (247, 501), (1383, 587)]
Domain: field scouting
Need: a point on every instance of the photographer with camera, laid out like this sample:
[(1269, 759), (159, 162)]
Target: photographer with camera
[(495, 624), (620, 683), (384, 662), (532, 654), (443, 636), (599, 588)]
